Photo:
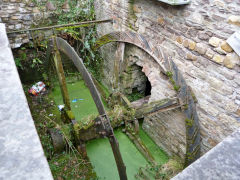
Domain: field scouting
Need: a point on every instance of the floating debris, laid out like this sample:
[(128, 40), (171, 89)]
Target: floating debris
[(60, 107), (75, 100)]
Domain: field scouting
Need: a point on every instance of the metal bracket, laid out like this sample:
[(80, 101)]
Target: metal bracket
[(103, 127)]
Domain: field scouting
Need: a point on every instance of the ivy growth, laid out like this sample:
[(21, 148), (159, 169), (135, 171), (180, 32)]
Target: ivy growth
[(82, 37)]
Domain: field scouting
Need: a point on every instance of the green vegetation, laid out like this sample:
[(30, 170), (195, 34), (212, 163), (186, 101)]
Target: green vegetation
[(82, 38), (31, 63), (161, 172), (194, 97), (18, 62), (32, 57), (170, 75), (189, 122), (99, 151), (135, 96), (176, 88), (69, 164)]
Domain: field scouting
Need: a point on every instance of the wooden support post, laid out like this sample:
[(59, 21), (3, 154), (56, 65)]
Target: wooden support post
[(61, 76), (118, 64)]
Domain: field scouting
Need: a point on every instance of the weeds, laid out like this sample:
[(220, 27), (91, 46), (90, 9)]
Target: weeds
[(68, 164), (161, 172)]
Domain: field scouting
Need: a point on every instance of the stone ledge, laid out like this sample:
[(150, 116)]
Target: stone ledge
[(221, 162), (21, 153)]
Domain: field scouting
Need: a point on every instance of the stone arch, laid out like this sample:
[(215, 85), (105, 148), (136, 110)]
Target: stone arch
[(185, 96), (139, 65), (137, 40)]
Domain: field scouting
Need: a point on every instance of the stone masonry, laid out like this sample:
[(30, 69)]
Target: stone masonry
[(26, 14), (17, 14), (194, 36), (170, 134), (168, 131), (134, 57)]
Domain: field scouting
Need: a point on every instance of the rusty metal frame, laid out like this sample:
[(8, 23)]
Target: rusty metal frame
[(103, 120)]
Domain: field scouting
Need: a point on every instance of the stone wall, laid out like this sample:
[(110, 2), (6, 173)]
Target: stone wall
[(17, 14), (139, 66), (26, 14), (167, 129), (194, 36)]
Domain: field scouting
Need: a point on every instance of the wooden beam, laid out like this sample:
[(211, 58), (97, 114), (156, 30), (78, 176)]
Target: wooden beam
[(119, 58), (61, 77), (162, 105), (63, 25)]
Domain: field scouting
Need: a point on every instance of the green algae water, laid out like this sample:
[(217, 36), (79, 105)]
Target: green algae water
[(158, 154), (100, 154), (81, 100)]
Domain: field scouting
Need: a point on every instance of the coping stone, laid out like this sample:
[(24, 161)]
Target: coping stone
[(221, 162), (21, 153)]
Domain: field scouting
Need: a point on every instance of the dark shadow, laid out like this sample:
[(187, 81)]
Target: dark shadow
[(148, 88), (139, 86)]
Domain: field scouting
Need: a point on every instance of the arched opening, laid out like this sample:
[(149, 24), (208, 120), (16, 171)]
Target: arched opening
[(135, 84)]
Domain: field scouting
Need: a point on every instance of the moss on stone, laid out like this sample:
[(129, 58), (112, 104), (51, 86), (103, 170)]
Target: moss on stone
[(176, 88), (169, 74), (194, 97), (120, 114), (103, 40), (132, 18), (189, 122), (70, 115)]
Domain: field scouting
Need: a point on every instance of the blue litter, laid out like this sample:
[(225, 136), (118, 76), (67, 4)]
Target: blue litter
[(75, 100)]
